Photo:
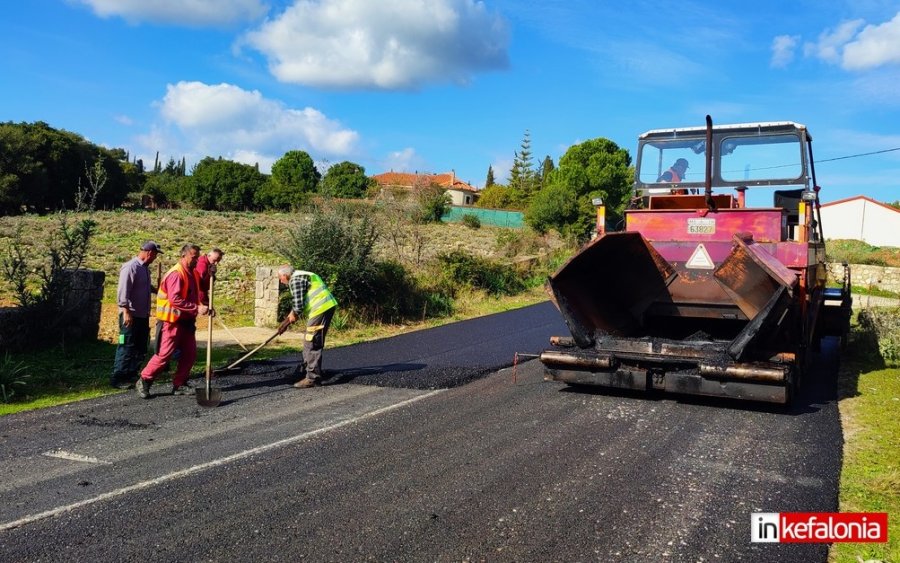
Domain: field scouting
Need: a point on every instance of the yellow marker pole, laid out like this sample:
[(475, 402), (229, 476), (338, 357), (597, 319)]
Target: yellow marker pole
[(803, 228)]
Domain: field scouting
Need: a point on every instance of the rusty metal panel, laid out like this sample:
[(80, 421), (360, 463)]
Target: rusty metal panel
[(751, 276), (607, 285)]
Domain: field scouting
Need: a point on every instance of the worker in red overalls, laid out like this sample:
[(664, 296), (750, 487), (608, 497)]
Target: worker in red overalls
[(177, 307)]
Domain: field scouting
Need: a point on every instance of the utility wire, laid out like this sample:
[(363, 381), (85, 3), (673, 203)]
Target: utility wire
[(857, 155), (818, 161)]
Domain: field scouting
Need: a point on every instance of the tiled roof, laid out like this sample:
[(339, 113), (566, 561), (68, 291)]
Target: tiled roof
[(409, 179)]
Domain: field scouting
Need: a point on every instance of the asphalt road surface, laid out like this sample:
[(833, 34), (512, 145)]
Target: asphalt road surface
[(423, 447)]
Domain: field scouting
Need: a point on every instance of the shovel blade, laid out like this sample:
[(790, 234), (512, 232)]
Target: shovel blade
[(212, 399)]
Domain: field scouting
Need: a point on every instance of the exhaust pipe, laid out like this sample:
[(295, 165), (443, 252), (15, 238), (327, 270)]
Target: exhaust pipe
[(559, 359), (747, 372)]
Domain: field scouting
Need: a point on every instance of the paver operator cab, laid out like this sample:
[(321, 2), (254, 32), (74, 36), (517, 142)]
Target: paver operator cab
[(701, 294)]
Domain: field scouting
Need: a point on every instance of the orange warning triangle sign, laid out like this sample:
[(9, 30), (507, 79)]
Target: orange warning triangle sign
[(700, 259)]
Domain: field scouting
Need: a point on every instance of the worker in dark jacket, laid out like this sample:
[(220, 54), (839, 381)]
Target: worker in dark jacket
[(177, 307), (313, 301), (133, 299)]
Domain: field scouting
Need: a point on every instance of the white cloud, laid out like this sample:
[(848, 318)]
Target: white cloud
[(831, 42), (650, 64), (875, 45), (501, 168), (226, 120), (124, 120), (264, 161), (389, 44), (179, 12), (405, 160), (783, 48)]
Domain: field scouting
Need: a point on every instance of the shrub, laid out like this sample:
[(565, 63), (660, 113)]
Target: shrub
[(337, 244), (472, 221), (433, 203), (883, 326), (41, 286), (11, 373), (461, 268)]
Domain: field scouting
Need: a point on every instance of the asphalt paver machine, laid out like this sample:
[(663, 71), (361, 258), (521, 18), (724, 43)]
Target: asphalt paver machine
[(702, 294)]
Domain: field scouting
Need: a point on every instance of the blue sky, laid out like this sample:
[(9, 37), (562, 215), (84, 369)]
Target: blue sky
[(435, 85)]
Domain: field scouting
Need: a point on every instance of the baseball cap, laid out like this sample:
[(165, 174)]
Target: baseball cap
[(150, 245), (682, 161)]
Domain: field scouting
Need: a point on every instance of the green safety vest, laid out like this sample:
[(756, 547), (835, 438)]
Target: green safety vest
[(318, 298)]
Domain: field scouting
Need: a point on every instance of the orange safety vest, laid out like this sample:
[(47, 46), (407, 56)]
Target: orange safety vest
[(164, 309), (675, 176)]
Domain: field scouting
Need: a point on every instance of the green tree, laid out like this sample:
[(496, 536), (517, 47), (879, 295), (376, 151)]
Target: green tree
[(546, 168), (522, 177), (594, 168), (168, 189), (347, 180), (297, 170), (225, 185), (496, 196), (294, 179), (489, 181), (556, 207), (42, 167)]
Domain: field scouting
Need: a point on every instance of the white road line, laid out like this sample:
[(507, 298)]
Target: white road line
[(208, 465), (75, 457)]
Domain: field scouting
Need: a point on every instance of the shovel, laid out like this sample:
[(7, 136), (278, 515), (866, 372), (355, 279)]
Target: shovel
[(233, 366), (206, 396), (231, 334)]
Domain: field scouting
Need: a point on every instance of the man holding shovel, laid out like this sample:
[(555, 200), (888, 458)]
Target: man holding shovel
[(313, 301), (177, 307)]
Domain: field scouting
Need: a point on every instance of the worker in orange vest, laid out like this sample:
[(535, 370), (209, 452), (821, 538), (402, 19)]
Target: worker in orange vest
[(675, 174), (177, 307)]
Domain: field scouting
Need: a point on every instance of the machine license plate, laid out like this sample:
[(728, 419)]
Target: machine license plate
[(701, 226)]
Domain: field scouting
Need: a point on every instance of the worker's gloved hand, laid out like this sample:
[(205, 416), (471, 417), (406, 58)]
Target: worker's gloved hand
[(202, 309), (211, 312), (291, 318)]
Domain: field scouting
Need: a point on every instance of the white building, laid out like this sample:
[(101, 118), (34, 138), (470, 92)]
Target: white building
[(862, 218)]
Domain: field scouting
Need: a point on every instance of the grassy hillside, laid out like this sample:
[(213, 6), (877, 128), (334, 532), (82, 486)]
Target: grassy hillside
[(251, 240), (858, 252)]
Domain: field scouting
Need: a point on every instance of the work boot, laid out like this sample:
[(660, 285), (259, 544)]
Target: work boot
[(298, 374), (306, 383), (120, 383), (143, 388), (185, 389)]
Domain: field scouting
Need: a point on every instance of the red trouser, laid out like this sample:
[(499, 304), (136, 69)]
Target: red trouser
[(174, 336)]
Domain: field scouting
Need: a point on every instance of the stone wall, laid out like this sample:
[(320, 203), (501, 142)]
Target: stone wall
[(265, 312), (78, 318), (83, 303), (861, 275)]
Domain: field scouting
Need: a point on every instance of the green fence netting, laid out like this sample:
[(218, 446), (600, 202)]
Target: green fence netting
[(494, 217)]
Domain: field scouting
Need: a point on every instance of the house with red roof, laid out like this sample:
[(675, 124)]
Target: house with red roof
[(862, 218), (393, 183)]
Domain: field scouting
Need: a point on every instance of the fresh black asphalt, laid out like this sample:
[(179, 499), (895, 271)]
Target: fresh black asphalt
[(499, 467)]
